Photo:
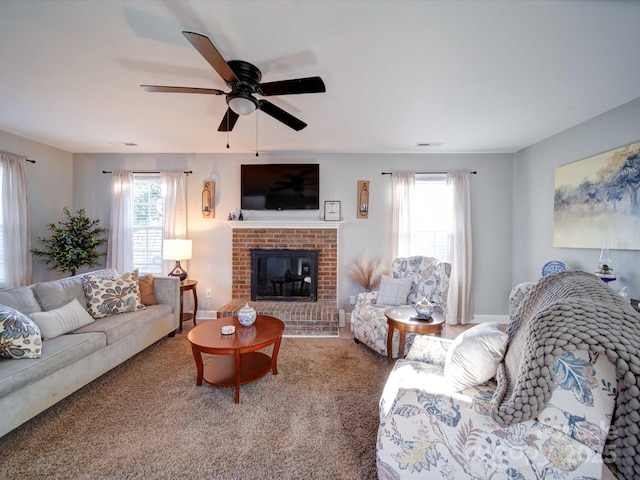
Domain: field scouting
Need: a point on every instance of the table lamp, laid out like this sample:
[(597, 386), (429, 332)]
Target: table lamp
[(177, 249)]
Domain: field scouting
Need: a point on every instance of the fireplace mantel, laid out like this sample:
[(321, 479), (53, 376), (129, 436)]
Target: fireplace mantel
[(283, 224)]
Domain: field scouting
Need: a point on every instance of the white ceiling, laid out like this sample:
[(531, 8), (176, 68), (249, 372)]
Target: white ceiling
[(473, 76)]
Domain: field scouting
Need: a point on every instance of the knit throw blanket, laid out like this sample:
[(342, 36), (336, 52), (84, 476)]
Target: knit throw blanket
[(570, 311)]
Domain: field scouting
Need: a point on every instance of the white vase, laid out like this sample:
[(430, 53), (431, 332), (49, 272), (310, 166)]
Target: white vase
[(247, 315)]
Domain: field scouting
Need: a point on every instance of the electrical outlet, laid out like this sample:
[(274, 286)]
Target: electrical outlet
[(352, 300), (208, 292)]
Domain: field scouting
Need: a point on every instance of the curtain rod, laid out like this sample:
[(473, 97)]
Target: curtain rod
[(26, 159), (109, 171), (428, 173)]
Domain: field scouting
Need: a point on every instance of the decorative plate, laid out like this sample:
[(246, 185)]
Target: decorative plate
[(553, 266)]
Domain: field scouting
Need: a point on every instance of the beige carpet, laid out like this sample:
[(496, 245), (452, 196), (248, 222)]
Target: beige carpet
[(316, 419)]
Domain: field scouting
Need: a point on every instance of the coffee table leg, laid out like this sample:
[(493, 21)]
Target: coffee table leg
[(274, 356), (237, 376), (390, 345), (197, 356)]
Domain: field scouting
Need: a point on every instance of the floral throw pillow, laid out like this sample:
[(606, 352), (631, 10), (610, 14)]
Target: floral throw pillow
[(110, 295), (19, 335)]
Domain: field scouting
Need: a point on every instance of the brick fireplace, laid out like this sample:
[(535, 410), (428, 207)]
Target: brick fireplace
[(301, 318)]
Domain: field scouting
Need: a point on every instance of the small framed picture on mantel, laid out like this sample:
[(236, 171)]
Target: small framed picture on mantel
[(332, 211)]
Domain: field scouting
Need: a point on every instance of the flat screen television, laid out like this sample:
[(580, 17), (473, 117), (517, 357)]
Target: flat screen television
[(280, 186)]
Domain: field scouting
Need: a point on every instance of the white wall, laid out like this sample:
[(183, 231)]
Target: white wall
[(533, 197), (49, 185), (211, 265)]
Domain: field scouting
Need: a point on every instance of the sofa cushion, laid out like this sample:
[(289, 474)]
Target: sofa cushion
[(57, 353), (19, 335), (474, 355), (411, 375), (394, 291), (62, 320), (57, 293), (22, 299), (429, 431), (429, 349), (147, 295), (584, 397), (110, 295), (118, 326)]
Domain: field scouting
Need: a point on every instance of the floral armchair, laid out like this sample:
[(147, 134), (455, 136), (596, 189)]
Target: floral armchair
[(436, 432), (425, 277), (429, 428)]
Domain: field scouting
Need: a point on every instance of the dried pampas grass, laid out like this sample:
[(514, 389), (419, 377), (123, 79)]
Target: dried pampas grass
[(368, 273)]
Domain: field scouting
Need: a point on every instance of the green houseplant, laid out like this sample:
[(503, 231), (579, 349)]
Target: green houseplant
[(73, 244)]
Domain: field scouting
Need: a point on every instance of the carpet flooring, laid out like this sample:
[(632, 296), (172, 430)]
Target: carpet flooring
[(146, 419)]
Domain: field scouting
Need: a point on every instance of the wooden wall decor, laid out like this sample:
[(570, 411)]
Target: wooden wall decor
[(363, 199), (208, 198)]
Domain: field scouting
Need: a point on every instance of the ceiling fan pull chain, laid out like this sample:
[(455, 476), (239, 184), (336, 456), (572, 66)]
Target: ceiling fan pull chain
[(227, 115), (257, 135)]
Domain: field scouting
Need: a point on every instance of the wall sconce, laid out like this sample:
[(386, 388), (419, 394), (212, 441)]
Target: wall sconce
[(208, 190), (363, 199)]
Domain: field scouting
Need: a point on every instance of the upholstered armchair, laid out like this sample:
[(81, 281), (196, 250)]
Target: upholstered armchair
[(413, 278)]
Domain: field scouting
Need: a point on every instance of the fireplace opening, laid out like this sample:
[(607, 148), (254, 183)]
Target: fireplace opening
[(284, 275)]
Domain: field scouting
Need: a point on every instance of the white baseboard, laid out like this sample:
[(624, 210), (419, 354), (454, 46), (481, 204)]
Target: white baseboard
[(207, 315)]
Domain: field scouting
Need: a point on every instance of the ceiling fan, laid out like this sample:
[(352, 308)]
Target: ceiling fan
[(244, 79)]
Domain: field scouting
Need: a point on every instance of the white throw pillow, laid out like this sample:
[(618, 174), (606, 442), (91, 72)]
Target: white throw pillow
[(62, 320), (474, 355), (394, 291)]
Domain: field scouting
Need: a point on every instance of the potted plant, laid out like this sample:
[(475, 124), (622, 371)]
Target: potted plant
[(73, 244)]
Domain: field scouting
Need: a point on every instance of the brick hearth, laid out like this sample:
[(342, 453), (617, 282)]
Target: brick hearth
[(300, 318)]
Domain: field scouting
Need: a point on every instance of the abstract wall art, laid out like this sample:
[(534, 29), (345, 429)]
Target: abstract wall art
[(596, 199)]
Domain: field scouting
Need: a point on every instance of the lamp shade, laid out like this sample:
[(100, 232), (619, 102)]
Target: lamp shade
[(243, 104), (176, 249)]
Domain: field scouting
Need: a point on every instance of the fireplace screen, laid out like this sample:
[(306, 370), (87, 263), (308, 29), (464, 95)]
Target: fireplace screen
[(284, 275)]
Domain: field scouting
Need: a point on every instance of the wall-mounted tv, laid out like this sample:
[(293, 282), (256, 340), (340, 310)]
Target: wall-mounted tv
[(280, 186)]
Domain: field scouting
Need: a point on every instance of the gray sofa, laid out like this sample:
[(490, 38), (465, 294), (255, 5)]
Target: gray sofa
[(72, 360)]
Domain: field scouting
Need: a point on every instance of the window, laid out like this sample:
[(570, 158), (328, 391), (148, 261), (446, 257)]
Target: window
[(432, 218), (147, 224)]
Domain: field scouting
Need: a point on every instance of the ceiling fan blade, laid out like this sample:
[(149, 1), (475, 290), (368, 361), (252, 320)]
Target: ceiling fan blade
[(161, 89), (292, 87), (279, 114), (228, 121), (211, 55)]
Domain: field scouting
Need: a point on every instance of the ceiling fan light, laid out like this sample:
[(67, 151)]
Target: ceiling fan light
[(243, 105)]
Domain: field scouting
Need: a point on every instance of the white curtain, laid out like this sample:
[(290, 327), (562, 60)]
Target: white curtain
[(401, 199), (120, 246), (460, 299), (16, 238), (174, 193)]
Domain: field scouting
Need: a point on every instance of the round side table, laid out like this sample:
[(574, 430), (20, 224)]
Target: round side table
[(185, 286), (404, 319)]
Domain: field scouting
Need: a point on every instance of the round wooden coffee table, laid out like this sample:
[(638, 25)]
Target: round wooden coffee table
[(239, 362), (403, 319)]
